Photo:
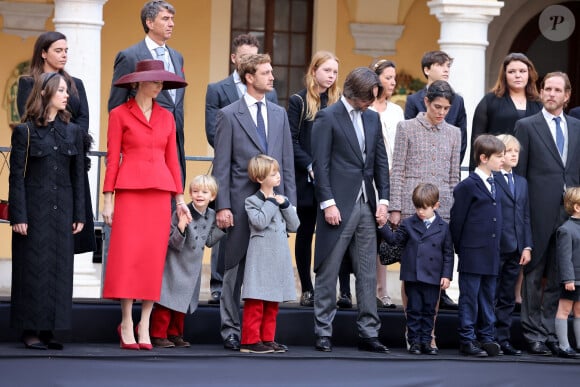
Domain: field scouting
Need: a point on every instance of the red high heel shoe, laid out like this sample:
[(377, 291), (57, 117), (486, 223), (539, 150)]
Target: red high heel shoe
[(145, 346), (123, 345)]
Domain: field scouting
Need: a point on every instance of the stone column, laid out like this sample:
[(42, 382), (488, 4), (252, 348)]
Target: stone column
[(81, 21), (464, 37)]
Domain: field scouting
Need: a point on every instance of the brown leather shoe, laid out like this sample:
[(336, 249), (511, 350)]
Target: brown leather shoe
[(161, 343), (179, 342)]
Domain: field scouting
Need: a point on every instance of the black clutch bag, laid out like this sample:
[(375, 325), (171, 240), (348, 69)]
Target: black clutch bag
[(389, 254)]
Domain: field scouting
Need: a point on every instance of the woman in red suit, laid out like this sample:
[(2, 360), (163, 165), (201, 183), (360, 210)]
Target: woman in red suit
[(143, 182)]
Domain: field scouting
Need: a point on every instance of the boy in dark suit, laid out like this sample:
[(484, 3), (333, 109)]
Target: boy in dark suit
[(476, 229), (515, 243), (426, 265)]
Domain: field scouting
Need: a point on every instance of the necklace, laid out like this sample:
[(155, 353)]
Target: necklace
[(146, 110)]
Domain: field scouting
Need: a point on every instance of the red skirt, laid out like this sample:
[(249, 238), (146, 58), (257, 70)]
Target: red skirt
[(138, 244)]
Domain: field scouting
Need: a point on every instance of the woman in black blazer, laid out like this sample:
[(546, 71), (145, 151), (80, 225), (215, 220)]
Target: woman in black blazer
[(321, 90), (50, 55), (514, 96)]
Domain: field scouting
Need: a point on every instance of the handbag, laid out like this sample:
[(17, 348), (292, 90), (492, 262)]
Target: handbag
[(4, 213), (389, 253)]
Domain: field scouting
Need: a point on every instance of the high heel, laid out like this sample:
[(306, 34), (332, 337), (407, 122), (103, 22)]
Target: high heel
[(123, 344), (145, 346)]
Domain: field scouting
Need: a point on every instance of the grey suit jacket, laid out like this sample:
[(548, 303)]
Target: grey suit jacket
[(236, 142), (339, 168), (125, 63), (541, 164), (220, 95)]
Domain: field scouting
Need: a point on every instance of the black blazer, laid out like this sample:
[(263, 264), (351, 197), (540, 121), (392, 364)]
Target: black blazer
[(495, 115)]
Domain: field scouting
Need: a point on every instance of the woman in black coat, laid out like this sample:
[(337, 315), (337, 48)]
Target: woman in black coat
[(49, 56), (47, 208)]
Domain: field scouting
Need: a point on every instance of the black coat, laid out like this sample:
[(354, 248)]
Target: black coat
[(79, 108), (50, 198)]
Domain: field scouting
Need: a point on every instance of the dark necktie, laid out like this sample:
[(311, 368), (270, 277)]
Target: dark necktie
[(510, 180), (559, 136), (492, 184), (261, 127)]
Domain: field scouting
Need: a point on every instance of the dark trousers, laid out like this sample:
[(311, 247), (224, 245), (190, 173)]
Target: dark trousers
[(259, 321), (422, 300), (166, 322), (505, 299), (303, 245), (476, 297)]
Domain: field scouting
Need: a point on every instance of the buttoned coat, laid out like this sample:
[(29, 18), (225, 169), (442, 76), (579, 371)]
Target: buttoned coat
[(476, 226), (540, 163), (268, 273), (183, 263), (236, 142), (340, 168), (125, 63), (428, 252), (568, 251)]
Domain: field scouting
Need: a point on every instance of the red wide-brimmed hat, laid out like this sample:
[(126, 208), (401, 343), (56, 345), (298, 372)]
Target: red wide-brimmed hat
[(151, 70)]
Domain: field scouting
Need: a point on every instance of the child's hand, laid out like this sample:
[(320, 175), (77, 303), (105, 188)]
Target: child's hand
[(526, 257), (184, 220), (445, 283), (279, 199), (570, 286)]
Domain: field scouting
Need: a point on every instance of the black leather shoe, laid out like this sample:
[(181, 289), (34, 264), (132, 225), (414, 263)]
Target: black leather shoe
[(372, 345), (509, 350), (555, 349), (307, 298), (214, 299), (568, 353), (415, 349), (344, 301), (427, 349), (232, 342), (323, 344), (446, 303), (539, 348), (491, 348), (470, 349)]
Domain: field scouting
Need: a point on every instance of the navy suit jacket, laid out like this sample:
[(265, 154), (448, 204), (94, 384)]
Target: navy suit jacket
[(476, 226), (515, 212), (456, 115), (219, 95), (575, 112), (125, 63), (428, 253)]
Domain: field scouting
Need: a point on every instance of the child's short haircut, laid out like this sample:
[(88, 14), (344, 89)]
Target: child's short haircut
[(571, 197), (509, 140), (487, 145), (260, 167), (206, 182), (425, 195), (431, 57)]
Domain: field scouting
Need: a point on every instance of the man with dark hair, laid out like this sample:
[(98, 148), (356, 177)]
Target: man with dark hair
[(157, 18), (349, 159)]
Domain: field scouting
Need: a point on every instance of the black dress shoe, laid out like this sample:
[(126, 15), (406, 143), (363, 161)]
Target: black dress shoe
[(214, 299), (307, 298), (509, 350), (470, 349), (568, 353), (372, 345), (232, 342), (539, 348), (415, 349), (446, 303), (344, 301), (427, 349), (47, 338), (491, 348), (323, 344)]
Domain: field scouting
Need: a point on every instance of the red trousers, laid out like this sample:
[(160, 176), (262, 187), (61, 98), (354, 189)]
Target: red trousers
[(259, 321), (166, 322)]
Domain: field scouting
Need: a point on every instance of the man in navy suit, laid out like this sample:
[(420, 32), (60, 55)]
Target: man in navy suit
[(349, 158), (575, 112), (157, 18), (516, 241), (550, 161)]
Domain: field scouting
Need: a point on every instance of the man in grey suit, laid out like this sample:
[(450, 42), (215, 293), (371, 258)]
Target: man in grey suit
[(348, 157), (550, 161), (246, 128), (157, 19)]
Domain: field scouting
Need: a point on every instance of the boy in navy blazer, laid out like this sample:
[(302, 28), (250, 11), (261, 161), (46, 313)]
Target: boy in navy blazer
[(426, 265), (515, 243), (476, 230)]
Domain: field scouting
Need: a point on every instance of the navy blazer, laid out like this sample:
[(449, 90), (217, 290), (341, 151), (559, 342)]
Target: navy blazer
[(456, 115), (575, 112), (476, 226), (515, 212), (428, 253), (219, 95)]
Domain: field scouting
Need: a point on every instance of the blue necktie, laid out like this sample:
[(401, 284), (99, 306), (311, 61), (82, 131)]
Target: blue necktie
[(427, 223), (510, 180), (559, 136), (160, 52), (492, 184), (261, 127)]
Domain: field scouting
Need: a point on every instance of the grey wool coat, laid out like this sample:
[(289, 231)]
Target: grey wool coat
[(268, 274), (182, 273)]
